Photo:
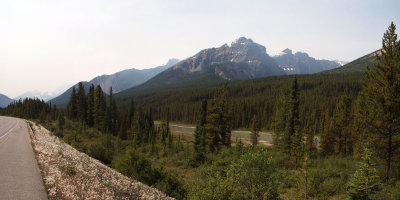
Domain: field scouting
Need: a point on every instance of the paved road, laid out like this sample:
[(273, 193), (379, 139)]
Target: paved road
[(20, 176)]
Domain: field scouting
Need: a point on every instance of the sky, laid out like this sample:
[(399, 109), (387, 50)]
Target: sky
[(48, 44)]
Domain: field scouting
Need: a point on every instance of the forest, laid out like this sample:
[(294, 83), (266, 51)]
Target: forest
[(335, 136)]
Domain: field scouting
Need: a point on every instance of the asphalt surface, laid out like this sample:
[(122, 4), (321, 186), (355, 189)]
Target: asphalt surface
[(20, 176)]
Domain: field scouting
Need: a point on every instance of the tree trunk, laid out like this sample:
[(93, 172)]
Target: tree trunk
[(389, 156), (366, 189)]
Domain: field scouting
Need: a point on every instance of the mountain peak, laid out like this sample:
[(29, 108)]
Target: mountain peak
[(287, 51), (242, 41), (171, 62)]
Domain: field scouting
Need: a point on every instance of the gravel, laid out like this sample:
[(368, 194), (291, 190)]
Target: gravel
[(70, 174)]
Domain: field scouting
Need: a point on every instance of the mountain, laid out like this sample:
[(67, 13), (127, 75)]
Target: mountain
[(129, 78), (119, 81), (357, 66), (34, 94), (44, 96), (242, 60), (302, 63), (62, 100), (5, 100)]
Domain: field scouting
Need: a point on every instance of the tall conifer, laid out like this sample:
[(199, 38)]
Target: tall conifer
[(255, 129), (381, 93)]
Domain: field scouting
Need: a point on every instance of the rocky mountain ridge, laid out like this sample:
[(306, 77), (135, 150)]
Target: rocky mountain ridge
[(302, 63)]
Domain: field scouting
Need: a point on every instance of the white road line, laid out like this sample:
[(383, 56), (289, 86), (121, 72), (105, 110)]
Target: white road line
[(9, 131)]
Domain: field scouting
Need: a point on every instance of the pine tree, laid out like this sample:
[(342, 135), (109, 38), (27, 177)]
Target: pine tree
[(81, 103), (200, 131), (140, 126), (358, 130), (99, 108), (90, 106), (131, 112), (60, 120), (327, 138), (365, 181), (199, 134), (341, 126), (281, 118), (149, 126), (109, 127), (218, 120), (255, 129), (114, 116), (122, 131), (293, 140), (381, 93), (72, 110), (54, 112)]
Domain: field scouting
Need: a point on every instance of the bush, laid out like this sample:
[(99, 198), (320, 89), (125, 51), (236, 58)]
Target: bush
[(135, 165), (249, 177), (69, 169), (58, 133), (102, 149)]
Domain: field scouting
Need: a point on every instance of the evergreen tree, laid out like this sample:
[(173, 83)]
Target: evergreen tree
[(365, 181), (218, 120), (131, 112), (122, 131), (381, 93), (149, 126), (60, 120), (170, 138), (341, 126), (140, 126), (358, 131), (81, 103), (327, 139), (72, 108), (99, 108), (281, 118), (200, 133), (255, 129), (54, 112), (115, 116), (109, 118), (90, 106), (293, 140)]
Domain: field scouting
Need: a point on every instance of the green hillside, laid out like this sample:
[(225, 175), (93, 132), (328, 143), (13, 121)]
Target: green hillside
[(319, 93), (357, 66)]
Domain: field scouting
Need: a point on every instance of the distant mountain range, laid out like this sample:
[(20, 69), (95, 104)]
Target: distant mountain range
[(302, 63), (129, 78), (5, 100), (242, 60), (118, 81), (43, 95), (35, 94)]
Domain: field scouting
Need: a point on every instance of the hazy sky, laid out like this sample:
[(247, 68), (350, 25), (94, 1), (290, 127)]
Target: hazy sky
[(47, 43)]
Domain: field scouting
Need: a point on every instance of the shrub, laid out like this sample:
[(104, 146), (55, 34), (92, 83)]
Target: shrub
[(58, 133)]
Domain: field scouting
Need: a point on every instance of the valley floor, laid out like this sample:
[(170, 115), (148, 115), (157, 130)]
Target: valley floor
[(265, 138)]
